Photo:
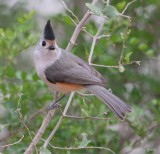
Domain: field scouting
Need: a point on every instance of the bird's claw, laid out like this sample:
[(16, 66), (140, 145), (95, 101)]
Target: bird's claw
[(54, 105)]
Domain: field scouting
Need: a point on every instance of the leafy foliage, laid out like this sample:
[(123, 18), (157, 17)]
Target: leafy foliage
[(24, 97)]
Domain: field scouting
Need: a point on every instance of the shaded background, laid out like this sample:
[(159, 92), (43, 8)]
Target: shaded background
[(21, 24)]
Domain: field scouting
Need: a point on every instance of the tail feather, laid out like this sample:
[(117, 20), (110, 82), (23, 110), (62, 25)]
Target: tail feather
[(113, 102)]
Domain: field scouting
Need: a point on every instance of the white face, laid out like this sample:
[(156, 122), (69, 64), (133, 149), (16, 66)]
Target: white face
[(46, 49), (46, 45), (45, 53)]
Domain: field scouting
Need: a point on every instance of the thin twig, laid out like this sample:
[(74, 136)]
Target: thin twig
[(122, 53), (43, 127), (94, 41), (104, 35), (96, 37), (80, 148), (73, 21), (78, 28), (22, 121), (84, 29), (133, 62), (7, 145), (85, 96), (87, 117), (128, 6), (18, 110), (60, 120), (104, 65), (125, 16), (65, 6)]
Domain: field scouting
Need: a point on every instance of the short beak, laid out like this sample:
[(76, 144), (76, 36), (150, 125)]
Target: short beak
[(48, 32), (52, 47)]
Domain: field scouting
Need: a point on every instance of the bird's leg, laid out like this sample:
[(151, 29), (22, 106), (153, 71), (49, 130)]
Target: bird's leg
[(55, 103)]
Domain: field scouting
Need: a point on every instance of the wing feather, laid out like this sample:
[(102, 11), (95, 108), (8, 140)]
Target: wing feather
[(71, 69)]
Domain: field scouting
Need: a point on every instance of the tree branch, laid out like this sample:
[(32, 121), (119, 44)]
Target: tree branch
[(87, 117), (94, 40), (60, 121), (80, 148), (7, 145), (79, 28), (40, 132)]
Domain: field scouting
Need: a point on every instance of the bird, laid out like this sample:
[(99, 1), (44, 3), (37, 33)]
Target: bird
[(65, 72)]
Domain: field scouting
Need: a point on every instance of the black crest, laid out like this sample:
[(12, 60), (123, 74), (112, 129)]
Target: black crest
[(48, 32)]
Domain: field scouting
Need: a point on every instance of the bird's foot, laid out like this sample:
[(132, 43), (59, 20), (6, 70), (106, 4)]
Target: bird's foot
[(54, 105)]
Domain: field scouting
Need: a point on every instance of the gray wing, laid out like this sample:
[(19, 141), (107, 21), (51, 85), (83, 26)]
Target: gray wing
[(71, 69)]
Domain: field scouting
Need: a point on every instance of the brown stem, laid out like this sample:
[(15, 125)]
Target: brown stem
[(43, 127)]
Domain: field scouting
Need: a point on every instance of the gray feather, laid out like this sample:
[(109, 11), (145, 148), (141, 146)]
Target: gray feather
[(71, 69), (112, 101)]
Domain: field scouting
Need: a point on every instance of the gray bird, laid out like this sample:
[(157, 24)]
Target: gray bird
[(64, 72)]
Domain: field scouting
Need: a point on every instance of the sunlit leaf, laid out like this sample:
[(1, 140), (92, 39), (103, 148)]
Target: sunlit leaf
[(110, 11), (94, 9), (127, 57)]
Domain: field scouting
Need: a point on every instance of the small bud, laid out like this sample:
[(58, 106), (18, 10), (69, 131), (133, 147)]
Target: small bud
[(121, 69)]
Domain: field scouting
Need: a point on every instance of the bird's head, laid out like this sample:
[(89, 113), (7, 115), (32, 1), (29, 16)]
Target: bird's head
[(47, 41)]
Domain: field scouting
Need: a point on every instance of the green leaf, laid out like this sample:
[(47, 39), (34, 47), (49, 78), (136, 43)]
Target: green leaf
[(23, 75), (121, 5), (127, 57), (143, 46), (94, 9), (68, 152), (110, 11), (31, 38), (133, 41), (44, 151), (68, 20), (150, 52), (10, 72), (85, 141)]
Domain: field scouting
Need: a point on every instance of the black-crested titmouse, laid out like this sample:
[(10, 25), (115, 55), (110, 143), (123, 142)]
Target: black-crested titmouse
[(64, 72)]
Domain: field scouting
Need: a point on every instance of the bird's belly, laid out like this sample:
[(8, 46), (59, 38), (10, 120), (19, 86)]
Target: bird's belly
[(64, 87)]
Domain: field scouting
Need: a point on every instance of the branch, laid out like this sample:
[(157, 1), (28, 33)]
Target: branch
[(96, 37), (127, 6), (65, 6), (87, 117), (60, 121), (79, 28), (94, 40), (80, 148), (122, 53), (5, 146), (40, 132)]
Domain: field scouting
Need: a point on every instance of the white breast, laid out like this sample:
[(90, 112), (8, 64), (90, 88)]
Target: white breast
[(43, 60)]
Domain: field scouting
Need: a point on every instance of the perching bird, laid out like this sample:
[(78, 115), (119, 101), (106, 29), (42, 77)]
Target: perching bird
[(64, 72)]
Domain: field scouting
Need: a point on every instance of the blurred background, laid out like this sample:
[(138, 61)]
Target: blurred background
[(24, 98)]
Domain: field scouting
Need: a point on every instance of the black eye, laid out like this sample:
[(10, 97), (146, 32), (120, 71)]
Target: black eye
[(43, 43)]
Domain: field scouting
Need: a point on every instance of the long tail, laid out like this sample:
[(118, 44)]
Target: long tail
[(113, 102)]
